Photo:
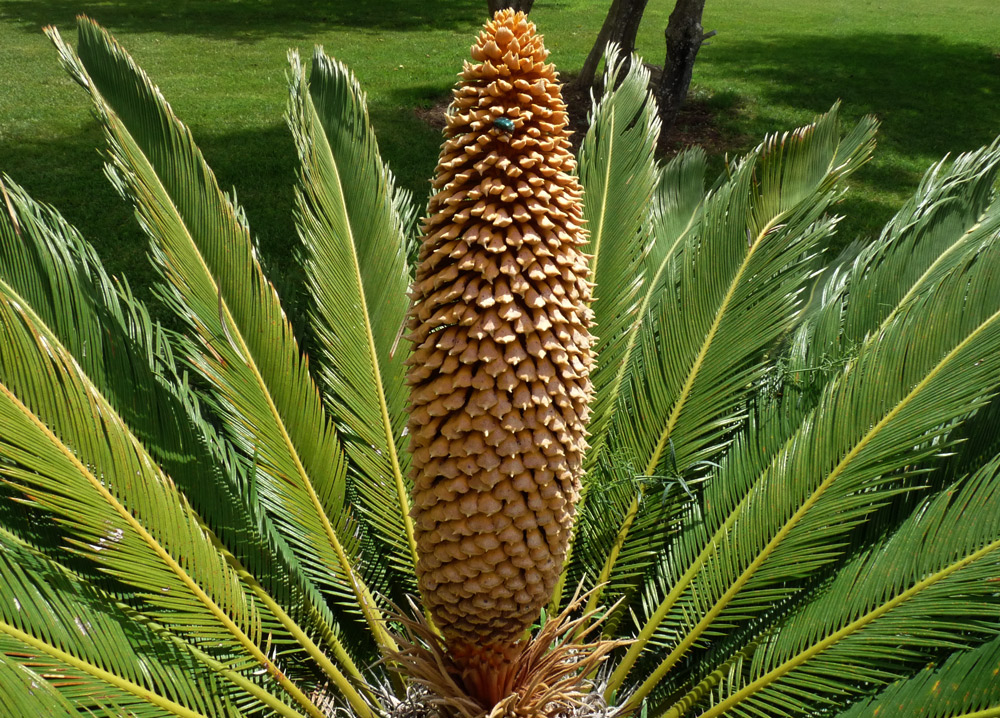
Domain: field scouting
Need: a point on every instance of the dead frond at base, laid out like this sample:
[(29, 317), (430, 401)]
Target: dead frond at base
[(549, 675)]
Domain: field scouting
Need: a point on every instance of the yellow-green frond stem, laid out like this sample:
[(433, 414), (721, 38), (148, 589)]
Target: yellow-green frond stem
[(196, 590), (343, 683), (110, 678), (853, 627)]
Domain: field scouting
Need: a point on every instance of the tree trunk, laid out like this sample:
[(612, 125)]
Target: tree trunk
[(684, 35), (620, 26), (522, 5)]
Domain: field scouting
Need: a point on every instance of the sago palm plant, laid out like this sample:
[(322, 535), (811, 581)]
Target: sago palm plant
[(640, 445)]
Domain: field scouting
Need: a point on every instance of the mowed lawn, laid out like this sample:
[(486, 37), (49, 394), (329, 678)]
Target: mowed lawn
[(929, 70)]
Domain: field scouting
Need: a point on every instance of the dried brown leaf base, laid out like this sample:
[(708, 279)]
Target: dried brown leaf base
[(549, 675), (420, 703)]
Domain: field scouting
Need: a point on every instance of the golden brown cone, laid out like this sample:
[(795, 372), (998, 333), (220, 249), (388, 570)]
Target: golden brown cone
[(499, 375)]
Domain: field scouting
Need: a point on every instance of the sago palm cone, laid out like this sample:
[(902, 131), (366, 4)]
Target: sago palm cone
[(499, 375)]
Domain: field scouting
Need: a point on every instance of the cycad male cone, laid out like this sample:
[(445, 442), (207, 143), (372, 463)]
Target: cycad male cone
[(502, 353)]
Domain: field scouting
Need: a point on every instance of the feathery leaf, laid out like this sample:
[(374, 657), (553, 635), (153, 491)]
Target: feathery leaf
[(727, 296), (888, 609), (350, 220), (244, 347), (888, 410)]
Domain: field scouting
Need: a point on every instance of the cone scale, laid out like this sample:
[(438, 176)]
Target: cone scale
[(499, 374)]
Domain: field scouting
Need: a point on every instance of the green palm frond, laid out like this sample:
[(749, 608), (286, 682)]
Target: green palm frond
[(352, 222), (709, 329), (902, 392), (45, 262), (45, 265), (58, 625), (882, 614), (767, 430), (619, 175), (73, 457), (613, 483), (673, 215), (722, 302), (245, 348), (965, 685), (950, 214)]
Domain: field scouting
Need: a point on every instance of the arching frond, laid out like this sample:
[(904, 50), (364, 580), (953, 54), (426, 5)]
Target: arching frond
[(732, 290), (69, 452), (351, 222), (950, 214), (673, 215), (708, 331), (619, 176), (89, 652), (890, 408), (244, 347), (124, 369), (891, 608)]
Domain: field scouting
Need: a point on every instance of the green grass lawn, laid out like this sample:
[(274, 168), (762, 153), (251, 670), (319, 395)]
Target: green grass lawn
[(929, 70)]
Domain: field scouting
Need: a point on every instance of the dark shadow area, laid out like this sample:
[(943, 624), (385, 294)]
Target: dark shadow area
[(932, 96), (69, 174), (248, 20), (261, 167)]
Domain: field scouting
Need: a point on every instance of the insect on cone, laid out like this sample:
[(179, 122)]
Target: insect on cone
[(499, 375)]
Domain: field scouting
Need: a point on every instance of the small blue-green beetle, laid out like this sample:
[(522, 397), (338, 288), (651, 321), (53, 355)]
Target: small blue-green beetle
[(504, 124)]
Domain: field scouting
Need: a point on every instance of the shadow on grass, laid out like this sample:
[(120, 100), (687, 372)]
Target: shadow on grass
[(261, 165), (247, 20), (932, 96)]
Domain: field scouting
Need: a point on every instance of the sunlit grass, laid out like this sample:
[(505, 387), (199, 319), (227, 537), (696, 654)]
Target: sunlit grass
[(930, 71)]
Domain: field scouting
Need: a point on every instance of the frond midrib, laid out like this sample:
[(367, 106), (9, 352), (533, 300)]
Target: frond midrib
[(150, 541), (402, 493), (856, 625), (99, 673), (710, 615), (599, 234)]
